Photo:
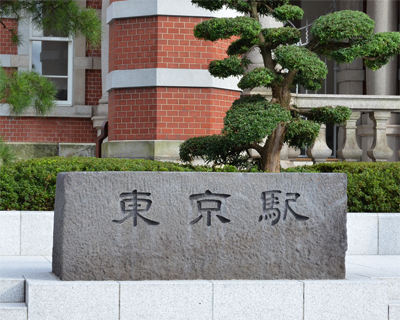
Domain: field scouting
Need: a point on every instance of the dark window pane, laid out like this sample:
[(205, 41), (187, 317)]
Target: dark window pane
[(54, 58), (50, 57), (62, 86)]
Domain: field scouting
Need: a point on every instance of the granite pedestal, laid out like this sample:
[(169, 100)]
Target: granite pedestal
[(187, 226)]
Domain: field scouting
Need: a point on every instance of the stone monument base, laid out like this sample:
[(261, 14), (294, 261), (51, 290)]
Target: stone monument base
[(185, 226)]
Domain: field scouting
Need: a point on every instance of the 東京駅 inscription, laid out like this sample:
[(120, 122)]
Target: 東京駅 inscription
[(165, 226)]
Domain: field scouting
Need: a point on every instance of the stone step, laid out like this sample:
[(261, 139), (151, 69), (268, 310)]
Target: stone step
[(13, 311), (12, 290), (394, 309), (393, 287)]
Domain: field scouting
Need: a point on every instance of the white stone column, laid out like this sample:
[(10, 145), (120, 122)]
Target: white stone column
[(380, 151), (350, 151), (351, 76), (100, 112), (384, 80), (256, 58), (320, 151)]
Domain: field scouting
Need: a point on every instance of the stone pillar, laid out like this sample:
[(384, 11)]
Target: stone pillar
[(100, 112), (380, 150), (351, 76), (256, 58), (319, 151), (384, 80), (349, 151)]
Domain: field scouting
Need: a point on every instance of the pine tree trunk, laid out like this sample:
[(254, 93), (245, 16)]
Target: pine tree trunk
[(270, 158)]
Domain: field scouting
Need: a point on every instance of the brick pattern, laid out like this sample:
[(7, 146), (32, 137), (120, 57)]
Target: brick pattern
[(167, 113), (95, 4), (161, 42), (93, 89), (6, 46), (93, 52), (27, 129)]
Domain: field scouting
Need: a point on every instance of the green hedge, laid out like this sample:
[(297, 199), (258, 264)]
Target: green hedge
[(371, 187), (30, 185)]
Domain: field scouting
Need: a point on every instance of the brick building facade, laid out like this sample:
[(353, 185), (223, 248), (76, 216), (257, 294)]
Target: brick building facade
[(149, 79)]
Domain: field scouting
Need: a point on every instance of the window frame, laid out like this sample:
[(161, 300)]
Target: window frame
[(69, 101)]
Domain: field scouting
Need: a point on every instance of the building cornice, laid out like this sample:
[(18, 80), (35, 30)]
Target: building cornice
[(145, 8), (192, 78), (76, 111)]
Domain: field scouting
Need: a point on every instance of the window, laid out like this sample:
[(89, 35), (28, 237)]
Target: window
[(51, 56)]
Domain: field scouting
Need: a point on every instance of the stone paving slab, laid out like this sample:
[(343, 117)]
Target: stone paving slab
[(394, 310), (345, 299), (10, 230), (243, 300), (12, 290), (363, 296), (373, 266), (13, 311), (179, 300)]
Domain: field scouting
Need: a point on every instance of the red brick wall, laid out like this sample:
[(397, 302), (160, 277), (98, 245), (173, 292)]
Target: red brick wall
[(93, 85), (93, 89), (167, 113), (161, 42), (29, 129), (6, 46), (95, 4)]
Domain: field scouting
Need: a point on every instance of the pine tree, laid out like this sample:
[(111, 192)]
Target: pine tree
[(25, 89), (342, 36)]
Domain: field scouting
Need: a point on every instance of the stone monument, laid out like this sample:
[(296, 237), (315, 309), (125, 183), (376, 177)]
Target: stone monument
[(188, 225)]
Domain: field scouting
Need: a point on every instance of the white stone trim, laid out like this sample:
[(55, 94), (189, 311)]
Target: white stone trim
[(354, 102), (364, 103), (77, 111), (145, 8), (195, 78), (14, 61), (5, 60)]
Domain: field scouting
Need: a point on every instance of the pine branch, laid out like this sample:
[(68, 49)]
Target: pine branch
[(265, 51), (263, 4)]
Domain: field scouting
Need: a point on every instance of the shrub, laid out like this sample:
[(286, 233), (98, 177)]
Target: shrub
[(371, 187), (7, 155)]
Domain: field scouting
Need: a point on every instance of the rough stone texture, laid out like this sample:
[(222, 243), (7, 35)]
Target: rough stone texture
[(389, 235), (146, 149), (25, 151), (393, 285), (362, 233), (76, 149), (54, 299), (277, 300), (345, 299), (166, 300), (394, 310), (36, 233), (88, 245), (12, 290), (10, 239), (13, 311)]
